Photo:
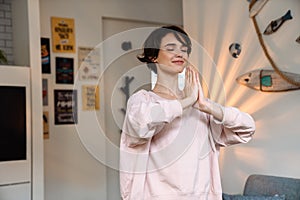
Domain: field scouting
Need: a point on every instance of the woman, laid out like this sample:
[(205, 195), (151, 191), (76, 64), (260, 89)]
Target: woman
[(170, 140)]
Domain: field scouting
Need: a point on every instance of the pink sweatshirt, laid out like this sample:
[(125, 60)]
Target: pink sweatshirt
[(170, 154)]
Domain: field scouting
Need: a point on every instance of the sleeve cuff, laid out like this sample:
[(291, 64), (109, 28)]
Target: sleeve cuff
[(218, 121)]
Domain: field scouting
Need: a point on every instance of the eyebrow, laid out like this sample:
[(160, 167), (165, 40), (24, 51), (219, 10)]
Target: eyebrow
[(173, 44), (170, 44)]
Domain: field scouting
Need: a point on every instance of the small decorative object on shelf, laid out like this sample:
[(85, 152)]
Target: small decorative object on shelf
[(3, 59)]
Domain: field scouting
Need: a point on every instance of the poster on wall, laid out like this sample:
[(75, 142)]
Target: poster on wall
[(64, 70), (65, 103), (63, 35), (88, 63), (46, 124), (45, 91), (90, 97), (45, 56)]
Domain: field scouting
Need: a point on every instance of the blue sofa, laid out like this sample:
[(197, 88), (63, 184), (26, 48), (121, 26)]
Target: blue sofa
[(263, 187), (271, 185)]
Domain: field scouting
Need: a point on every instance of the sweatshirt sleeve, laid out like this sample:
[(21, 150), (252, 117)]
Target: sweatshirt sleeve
[(146, 116), (236, 127)]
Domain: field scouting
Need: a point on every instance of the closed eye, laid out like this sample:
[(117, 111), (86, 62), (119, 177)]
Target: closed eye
[(173, 47), (170, 49), (184, 49)]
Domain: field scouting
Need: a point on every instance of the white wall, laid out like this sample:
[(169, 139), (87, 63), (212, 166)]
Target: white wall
[(70, 171), (275, 148)]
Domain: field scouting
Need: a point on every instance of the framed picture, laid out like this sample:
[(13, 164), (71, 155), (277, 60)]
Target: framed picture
[(63, 35), (46, 124), (88, 63), (45, 56), (65, 105), (64, 70), (90, 97), (45, 91)]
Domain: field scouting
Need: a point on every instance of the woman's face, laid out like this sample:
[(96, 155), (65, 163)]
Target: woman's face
[(173, 55)]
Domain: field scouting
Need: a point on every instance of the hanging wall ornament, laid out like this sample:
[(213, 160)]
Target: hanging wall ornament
[(267, 80), (125, 90), (255, 6), (235, 50), (289, 79), (126, 45), (276, 24), (298, 39)]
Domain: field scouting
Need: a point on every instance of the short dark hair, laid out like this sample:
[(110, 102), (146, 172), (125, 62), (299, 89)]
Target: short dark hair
[(152, 44)]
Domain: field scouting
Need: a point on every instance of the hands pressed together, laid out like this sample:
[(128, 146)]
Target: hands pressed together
[(194, 95), (193, 89)]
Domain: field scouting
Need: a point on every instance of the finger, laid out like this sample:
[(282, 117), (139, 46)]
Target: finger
[(189, 75), (187, 78), (186, 74), (194, 68), (194, 77), (197, 78), (201, 94)]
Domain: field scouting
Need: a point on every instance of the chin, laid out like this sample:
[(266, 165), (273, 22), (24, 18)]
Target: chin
[(180, 71), (180, 68)]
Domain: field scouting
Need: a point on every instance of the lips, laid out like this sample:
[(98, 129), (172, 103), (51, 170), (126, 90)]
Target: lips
[(178, 62)]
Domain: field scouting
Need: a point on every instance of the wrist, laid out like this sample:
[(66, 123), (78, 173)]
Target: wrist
[(203, 105), (187, 102), (207, 106), (214, 109)]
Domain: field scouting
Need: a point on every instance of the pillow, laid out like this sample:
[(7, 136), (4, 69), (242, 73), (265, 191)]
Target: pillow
[(252, 197)]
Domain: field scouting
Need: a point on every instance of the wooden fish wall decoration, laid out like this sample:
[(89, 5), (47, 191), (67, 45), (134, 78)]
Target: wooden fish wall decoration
[(255, 6), (276, 24), (266, 80), (269, 80)]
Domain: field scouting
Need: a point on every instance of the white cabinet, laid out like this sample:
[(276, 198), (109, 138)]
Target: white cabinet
[(15, 132), (19, 191), (23, 179)]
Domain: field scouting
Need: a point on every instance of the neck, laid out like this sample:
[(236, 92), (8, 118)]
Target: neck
[(167, 85)]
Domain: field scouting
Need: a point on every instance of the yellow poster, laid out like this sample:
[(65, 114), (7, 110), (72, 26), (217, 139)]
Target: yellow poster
[(90, 97), (63, 35)]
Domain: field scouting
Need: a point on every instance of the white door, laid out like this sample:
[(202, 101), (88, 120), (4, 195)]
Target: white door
[(123, 42)]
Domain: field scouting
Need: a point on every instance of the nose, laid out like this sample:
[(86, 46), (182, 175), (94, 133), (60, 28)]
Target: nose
[(178, 53)]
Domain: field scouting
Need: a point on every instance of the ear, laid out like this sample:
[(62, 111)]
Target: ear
[(154, 60)]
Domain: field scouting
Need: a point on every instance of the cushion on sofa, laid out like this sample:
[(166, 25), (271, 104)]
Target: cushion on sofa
[(252, 197)]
